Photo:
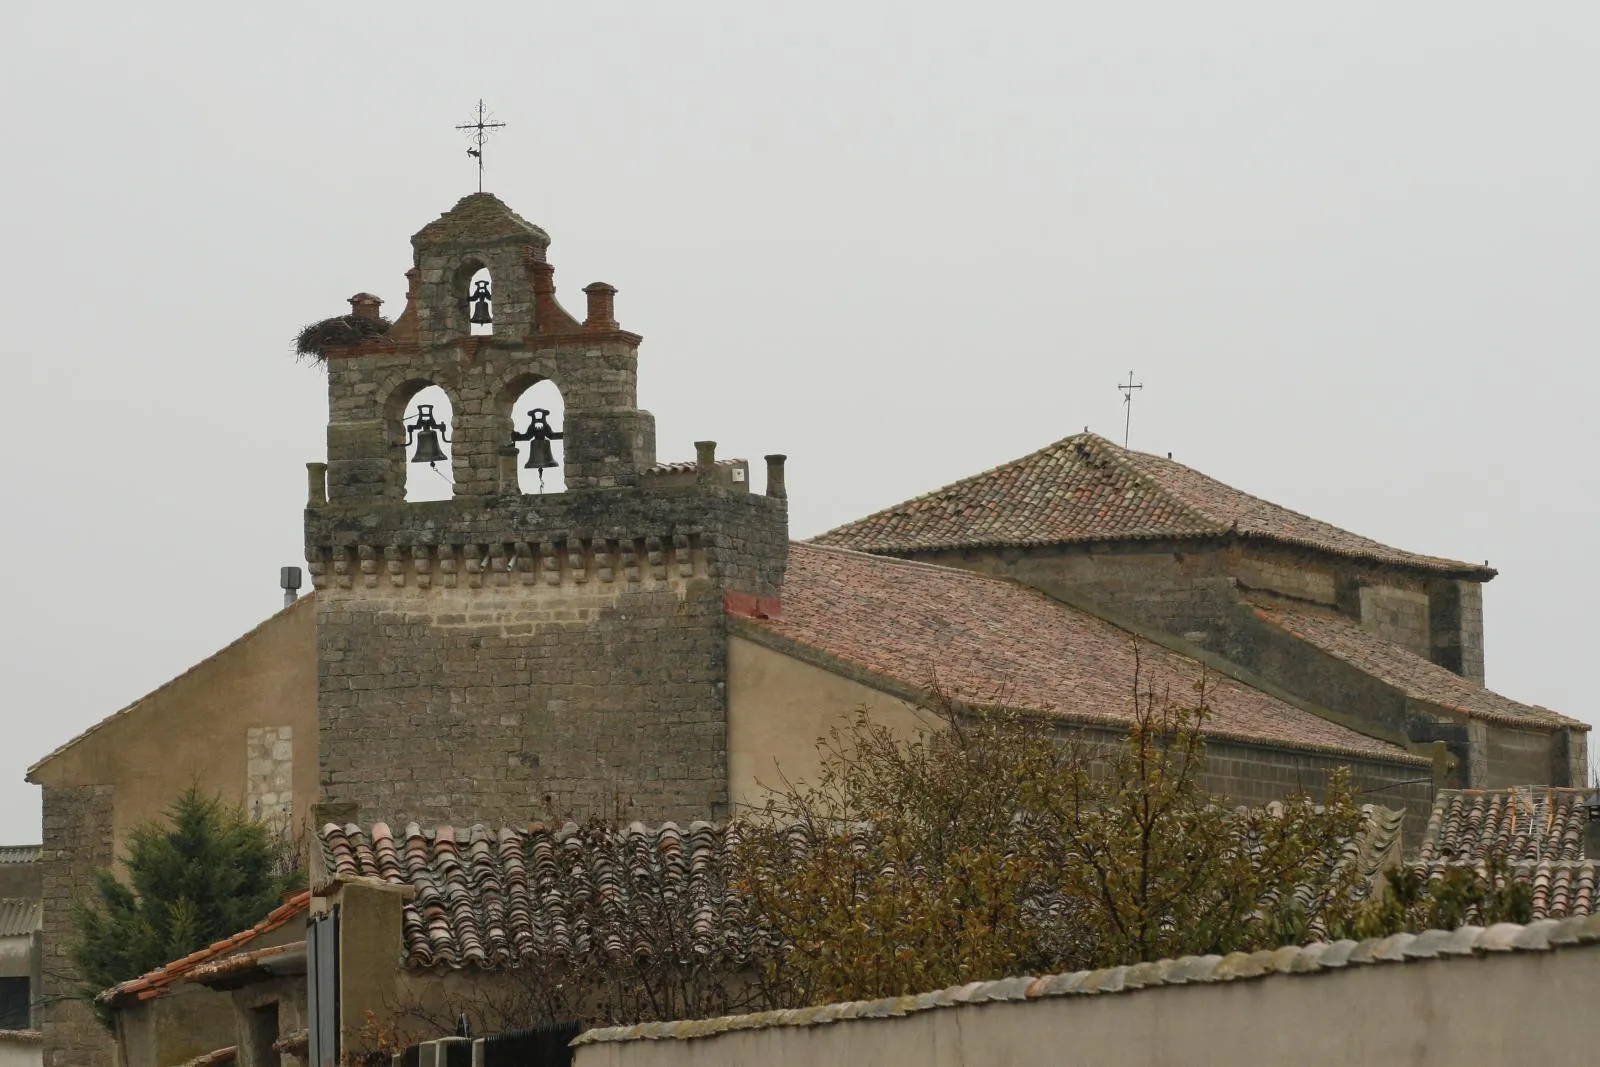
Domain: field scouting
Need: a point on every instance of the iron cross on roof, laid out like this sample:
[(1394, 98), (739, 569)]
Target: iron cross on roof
[(1127, 403), (480, 133)]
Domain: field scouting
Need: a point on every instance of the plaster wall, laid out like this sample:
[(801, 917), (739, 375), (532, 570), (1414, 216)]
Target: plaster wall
[(186, 1022), (1425, 1014), (198, 728), (16, 956), (780, 707), (24, 1051), (195, 729)]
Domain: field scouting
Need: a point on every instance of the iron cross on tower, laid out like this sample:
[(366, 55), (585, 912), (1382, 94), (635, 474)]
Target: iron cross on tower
[(1127, 404), (479, 133)]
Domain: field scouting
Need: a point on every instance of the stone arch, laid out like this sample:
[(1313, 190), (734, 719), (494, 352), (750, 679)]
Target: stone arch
[(515, 400), (469, 271), (414, 481)]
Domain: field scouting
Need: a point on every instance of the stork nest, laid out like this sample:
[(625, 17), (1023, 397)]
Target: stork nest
[(314, 341)]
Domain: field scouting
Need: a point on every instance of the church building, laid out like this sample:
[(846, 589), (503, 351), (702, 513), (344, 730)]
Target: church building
[(648, 643)]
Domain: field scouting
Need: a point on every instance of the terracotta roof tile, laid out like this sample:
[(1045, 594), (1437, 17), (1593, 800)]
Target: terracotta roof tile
[(282, 959), (215, 1058), (154, 983), (10, 854), (1084, 488), (1526, 824), (490, 900), (493, 899), (1537, 830), (1405, 670), (990, 640)]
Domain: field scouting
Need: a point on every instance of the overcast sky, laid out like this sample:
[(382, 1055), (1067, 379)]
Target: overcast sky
[(1345, 248)]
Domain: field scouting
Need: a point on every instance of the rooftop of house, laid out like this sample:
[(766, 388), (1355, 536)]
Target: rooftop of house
[(1084, 488), (19, 854), (1418, 678), (1537, 830), (20, 918), (491, 899), (500, 898), (154, 983), (992, 641), (1283, 964), (1525, 824)]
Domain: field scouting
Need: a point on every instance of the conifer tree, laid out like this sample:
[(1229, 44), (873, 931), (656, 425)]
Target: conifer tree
[(207, 871)]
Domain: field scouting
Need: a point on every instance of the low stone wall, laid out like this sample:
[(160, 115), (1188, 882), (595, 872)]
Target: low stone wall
[(1508, 995)]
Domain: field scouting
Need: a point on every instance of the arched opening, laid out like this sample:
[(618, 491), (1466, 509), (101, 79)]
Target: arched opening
[(538, 423), (474, 291), (423, 427)]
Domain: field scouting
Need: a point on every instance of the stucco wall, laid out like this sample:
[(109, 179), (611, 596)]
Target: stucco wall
[(779, 707), (196, 728), (20, 1051), (186, 1022), (1503, 1009)]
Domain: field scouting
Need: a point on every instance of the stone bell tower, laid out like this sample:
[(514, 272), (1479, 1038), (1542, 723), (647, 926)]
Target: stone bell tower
[(500, 656)]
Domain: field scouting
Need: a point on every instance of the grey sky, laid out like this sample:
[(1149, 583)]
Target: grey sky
[(1350, 249)]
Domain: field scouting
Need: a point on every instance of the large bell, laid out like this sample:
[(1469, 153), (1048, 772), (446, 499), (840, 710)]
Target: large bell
[(540, 457), (428, 450)]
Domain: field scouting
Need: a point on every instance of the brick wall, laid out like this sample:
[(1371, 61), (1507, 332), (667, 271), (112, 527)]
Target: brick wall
[(77, 840)]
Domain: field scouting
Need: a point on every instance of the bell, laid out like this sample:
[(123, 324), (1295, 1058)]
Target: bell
[(428, 450), (480, 304), (540, 457)]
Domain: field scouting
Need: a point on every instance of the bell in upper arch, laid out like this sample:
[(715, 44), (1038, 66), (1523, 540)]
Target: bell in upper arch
[(480, 304)]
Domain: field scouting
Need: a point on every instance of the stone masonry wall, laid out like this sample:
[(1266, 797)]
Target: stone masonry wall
[(1397, 615), (521, 657), (77, 840), (1248, 774)]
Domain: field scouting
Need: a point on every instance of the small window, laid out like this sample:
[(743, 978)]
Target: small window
[(13, 1003)]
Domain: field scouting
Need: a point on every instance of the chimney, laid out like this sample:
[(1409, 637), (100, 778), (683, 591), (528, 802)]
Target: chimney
[(602, 306), (289, 579), (316, 484), (705, 462), (775, 486), (365, 306)]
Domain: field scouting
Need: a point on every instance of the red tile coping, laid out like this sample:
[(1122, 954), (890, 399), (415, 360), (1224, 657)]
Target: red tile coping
[(153, 984)]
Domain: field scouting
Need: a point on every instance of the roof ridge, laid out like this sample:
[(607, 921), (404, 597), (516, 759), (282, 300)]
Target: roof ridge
[(900, 561), (130, 707), (935, 493)]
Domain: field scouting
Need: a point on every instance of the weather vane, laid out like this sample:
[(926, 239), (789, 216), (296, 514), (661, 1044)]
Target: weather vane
[(479, 133), (1127, 403)]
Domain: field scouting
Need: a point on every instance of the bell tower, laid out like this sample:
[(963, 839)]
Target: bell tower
[(500, 656)]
